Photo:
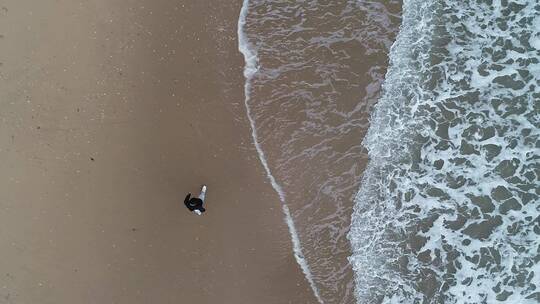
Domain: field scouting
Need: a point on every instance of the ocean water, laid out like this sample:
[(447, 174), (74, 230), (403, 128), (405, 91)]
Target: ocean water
[(313, 72), (448, 210)]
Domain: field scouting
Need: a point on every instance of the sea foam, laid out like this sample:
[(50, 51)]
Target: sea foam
[(448, 210)]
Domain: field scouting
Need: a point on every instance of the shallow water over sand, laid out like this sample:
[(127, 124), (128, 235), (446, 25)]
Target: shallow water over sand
[(314, 73)]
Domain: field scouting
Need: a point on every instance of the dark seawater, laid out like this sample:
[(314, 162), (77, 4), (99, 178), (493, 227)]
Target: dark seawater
[(448, 210), (313, 72)]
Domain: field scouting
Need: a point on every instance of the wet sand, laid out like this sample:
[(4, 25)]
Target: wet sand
[(111, 111)]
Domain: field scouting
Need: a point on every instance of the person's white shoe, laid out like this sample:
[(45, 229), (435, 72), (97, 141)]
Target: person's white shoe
[(203, 188)]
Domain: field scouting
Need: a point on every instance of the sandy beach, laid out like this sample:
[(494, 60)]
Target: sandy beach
[(111, 112)]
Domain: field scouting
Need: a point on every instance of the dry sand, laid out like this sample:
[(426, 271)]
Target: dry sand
[(111, 111)]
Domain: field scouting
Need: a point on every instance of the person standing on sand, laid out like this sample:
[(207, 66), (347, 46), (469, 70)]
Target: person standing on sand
[(196, 204)]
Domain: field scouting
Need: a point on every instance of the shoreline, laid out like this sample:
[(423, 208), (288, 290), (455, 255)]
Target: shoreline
[(250, 69), (131, 106)]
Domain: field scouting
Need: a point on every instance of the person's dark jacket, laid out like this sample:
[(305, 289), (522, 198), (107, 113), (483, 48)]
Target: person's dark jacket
[(194, 203)]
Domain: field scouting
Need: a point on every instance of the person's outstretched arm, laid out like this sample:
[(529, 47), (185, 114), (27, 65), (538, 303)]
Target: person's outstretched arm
[(186, 200)]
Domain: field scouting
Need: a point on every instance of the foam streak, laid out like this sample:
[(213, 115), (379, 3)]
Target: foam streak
[(250, 68)]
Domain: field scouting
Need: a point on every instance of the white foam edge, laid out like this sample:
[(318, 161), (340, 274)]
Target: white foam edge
[(250, 68)]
